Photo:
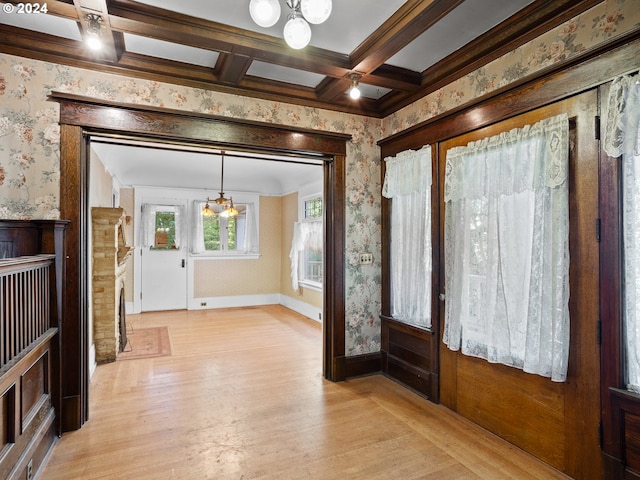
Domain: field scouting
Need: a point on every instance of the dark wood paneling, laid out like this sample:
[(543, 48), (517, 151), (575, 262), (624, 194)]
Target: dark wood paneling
[(7, 418), (632, 441), (409, 355), (527, 410), (625, 418), (358, 365), (34, 388), (30, 380), (419, 380), (19, 240)]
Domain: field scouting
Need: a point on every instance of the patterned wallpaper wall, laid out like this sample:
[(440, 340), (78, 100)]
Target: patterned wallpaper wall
[(30, 157)]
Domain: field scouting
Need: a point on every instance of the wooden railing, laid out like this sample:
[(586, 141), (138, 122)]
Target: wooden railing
[(25, 304)]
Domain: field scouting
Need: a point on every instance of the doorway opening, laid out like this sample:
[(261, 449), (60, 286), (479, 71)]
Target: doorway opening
[(82, 117)]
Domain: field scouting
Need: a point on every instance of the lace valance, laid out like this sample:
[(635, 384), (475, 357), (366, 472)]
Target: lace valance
[(408, 172), (486, 178)]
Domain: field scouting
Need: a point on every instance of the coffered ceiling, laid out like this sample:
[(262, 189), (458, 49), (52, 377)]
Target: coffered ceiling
[(401, 50)]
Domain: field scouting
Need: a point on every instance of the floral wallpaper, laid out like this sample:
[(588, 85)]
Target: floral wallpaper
[(30, 156)]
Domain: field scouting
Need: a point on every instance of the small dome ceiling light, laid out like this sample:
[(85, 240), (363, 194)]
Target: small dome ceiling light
[(264, 12), (316, 11), (297, 32)]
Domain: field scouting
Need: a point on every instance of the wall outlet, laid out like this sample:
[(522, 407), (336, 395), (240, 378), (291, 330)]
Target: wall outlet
[(366, 258), (30, 470), (203, 304)]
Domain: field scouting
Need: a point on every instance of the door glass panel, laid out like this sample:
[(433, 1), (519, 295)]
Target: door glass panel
[(165, 230)]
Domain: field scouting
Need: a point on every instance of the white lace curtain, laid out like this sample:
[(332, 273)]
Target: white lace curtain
[(306, 236), (507, 248), (622, 137), (248, 242), (148, 223), (407, 182)]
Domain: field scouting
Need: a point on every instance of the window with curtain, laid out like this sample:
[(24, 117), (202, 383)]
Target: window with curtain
[(306, 254), (220, 235), (162, 226), (407, 183), (507, 248), (622, 138)]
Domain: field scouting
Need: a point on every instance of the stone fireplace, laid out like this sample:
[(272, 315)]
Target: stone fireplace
[(109, 255)]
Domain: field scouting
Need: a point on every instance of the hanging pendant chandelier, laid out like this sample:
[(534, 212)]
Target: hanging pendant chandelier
[(229, 209), (297, 32)]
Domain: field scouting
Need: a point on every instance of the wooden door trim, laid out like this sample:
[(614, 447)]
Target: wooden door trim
[(81, 117)]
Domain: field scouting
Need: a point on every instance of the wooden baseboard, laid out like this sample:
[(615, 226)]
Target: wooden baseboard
[(362, 364)]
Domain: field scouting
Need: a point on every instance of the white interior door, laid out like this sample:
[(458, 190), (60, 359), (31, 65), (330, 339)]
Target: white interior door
[(163, 259)]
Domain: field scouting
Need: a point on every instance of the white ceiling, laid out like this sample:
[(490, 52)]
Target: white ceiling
[(155, 165)]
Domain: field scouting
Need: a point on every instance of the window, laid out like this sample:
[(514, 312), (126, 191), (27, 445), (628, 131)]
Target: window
[(165, 231), (162, 226), (306, 256), (313, 208), (218, 235), (312, 269), (507, 248), (407, 183), (225, 233), (622, 138)]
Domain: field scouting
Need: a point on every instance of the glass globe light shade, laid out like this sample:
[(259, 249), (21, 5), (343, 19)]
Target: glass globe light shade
[(264, 12), (297, 33), (316, 11), (354, 93)]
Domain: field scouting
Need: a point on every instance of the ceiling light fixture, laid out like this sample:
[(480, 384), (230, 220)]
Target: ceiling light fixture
[(297, 32), (229, 209), (354, 91), (94, 28)]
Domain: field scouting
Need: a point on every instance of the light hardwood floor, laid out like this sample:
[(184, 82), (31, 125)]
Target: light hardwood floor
[(242, 397)]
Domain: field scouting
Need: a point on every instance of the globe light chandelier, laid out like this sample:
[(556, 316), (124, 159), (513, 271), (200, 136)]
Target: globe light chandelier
[(297, 32)]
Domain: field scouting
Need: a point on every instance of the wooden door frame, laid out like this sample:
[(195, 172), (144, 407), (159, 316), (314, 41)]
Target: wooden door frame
[(80, 117)]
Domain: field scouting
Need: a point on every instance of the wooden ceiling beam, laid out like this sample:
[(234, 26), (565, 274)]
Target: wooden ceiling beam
[(412, 19), (232, 67)]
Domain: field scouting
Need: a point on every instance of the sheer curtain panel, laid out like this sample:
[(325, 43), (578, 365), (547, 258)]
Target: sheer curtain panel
[(507, 248), (306, 235), (622, 138), (407, 183)]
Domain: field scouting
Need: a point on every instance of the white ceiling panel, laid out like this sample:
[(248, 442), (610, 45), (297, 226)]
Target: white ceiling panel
[(170, 51), (462, 25), (42, 22), (284, 74)]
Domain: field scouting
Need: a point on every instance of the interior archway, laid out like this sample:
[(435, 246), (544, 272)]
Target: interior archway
[(80, 117)]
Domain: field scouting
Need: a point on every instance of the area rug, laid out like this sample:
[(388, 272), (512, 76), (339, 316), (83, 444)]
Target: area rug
[(146, 343)]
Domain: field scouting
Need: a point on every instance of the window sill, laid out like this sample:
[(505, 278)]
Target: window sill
[(224, 256), (317, 287)]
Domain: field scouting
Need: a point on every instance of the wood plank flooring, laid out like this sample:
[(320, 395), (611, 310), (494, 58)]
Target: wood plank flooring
[(242, 397)]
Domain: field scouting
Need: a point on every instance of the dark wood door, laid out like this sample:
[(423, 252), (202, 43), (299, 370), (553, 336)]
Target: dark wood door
[(556, 422)]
